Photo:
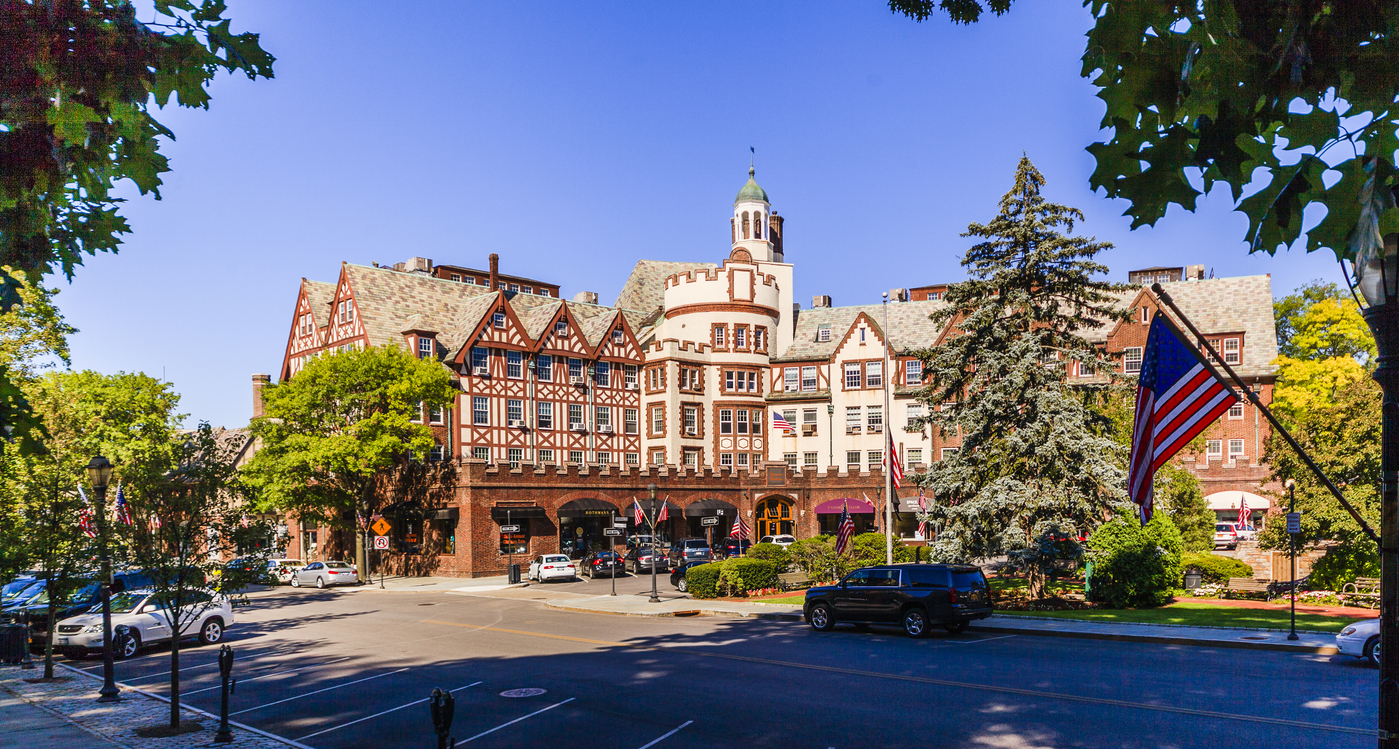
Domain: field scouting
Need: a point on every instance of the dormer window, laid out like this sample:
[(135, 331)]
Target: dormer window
[(823, 334), (424, 347)]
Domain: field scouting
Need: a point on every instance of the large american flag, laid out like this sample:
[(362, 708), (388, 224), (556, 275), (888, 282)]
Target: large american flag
[(922, 509), (1178, 396), (845, 529), (640, 516), (780, 422), (891, 461)]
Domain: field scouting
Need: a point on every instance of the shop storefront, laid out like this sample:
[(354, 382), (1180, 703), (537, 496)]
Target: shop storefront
[(581, 525), (709, 519), (861, 512), (521, 517), (673, 527), (773, 516)]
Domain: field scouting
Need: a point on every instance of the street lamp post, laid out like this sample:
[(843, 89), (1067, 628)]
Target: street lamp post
[(655, 598), (1292, 552), (99, 472), (1377, 275)]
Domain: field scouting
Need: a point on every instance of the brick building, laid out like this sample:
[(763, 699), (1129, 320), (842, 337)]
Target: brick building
[(567, 409)]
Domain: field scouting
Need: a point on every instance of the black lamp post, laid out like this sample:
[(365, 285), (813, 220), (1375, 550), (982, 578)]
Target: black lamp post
[(99, 473), (1377, 275), (1292, 551), (651, 489)]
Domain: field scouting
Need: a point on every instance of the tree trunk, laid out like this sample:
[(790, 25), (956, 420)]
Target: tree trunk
[(1036, 581), (174, 670), (48, 627), (361, 553)]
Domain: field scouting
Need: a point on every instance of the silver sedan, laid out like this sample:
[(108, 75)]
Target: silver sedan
[(323, 574)]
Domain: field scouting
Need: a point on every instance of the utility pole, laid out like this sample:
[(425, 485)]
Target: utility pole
[(889, 498), (99, 472)]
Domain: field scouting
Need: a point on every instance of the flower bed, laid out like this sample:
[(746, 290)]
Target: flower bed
[(1043, 604)]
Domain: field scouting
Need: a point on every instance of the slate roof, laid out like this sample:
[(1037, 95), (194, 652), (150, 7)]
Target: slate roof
[(1232, 305), (644, 290), (320, 295), (390, 302), (909, 328)]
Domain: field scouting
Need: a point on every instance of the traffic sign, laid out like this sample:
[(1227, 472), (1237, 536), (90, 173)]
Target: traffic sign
[(619, 522), (381, 542), (709, 521), (611, 531), (381, 527), (509, 529), (1294, 522)]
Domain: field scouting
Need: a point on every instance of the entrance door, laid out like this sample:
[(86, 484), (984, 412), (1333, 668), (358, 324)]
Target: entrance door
[(774, 517)]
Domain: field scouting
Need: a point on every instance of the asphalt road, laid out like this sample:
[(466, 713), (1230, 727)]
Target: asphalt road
[(352, 668)]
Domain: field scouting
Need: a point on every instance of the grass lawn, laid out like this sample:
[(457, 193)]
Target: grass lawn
[(1200, 615)]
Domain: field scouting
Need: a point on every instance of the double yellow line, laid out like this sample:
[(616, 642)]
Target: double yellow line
[(940, 682)]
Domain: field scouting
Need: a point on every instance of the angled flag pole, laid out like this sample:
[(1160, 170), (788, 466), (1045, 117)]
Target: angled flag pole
[(1253, 398)]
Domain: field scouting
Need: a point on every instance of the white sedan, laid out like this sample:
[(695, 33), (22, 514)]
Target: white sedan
[(146, 622), (783, 540), (1361, 640), (552, 567)]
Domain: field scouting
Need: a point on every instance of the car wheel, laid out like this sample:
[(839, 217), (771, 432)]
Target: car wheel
[(955, 627), (821, 619), (129, 646), (683, 586), (915, 622), (1372, 651), (295, 583), (320, 582), (211, 632)]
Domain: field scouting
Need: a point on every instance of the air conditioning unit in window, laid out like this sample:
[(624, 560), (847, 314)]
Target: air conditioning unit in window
[(576, 380), (631, 386), (691, 432), (578, 426), (481, 371), (852, 430), (808, 430), (517, 424), (604, 429)]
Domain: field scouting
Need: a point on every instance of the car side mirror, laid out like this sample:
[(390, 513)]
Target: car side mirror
[(842, 583), (146, 609)]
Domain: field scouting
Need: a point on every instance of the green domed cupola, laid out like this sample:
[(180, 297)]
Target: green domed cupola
[(751, 192)]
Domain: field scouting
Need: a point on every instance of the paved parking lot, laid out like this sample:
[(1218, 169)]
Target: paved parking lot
[(353, 668)]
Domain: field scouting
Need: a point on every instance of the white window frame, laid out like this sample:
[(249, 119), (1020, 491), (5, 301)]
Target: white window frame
[(1233, 453), (1214, 448), (1132, 359), (853, 380), (1231, 355), (814, 381), (480, 405), (544, 415), (913, 372)]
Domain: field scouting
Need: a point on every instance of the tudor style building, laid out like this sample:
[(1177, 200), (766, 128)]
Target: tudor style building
[(566, 408)]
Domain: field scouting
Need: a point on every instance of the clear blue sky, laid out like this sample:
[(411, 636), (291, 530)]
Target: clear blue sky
[(576, 138)]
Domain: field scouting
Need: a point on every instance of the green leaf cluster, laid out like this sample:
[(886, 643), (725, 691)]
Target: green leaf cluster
[(1213, 567), (1036, 450), (959, 11), (1134, 565)]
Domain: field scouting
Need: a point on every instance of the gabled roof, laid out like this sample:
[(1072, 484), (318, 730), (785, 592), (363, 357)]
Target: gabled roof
[(320, 295), (909, 328), (388, 300), (644, 290)]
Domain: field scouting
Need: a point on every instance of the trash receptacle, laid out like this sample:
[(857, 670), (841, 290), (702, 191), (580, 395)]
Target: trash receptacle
[(14, 641), (514, 574), (1193, 578)]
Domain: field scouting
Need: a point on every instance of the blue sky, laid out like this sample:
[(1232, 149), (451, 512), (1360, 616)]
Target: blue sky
[(576, 138)]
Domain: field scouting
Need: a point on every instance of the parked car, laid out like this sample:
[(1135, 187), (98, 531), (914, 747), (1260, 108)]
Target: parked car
[(732, 547), (1361, 640), (322, 574), (242, 572), (20, 592), (918, 596), (1245, 532), (1225, 536), (783, 540), (280, 570), (688, 549), (35, 613), (642, 558), (677, 577), (640, 540), (552, 567), (145, 622), (602, 563)]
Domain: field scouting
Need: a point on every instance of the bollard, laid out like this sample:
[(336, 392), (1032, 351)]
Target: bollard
[(224, 735), (442, 706)]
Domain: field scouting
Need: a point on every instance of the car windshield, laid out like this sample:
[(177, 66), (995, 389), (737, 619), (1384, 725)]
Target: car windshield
[(126, 603), (16, 589)]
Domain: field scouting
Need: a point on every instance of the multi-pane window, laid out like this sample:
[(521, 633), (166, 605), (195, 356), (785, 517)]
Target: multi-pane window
[(415, 414), (653, 376), (809, 416), (1236, 447), (514, 455), (808, 379), (790, 416), (876, 457), (790, 381), (741, 421), (527, 289), (913, 373), (1230, 350), (1214, 448), (575, 457), (913, 456), (691, 458), (757, 422), (514, 287), (809, 460), (790, 459), (852, 458), (740, 337), (603, 374), (575, 368), (498, 319), (630, 418), (544, 367), (743, 460), (759, 335), (424, 347), (604, 457), (481, 453), (726, 460), (914, 413), (852, 376), (657, 456), (726, 419), (546, 456), (480, 411), (633, 459), (948, 452), (514, 365), (657, 419), (852, 419), (575, 415), (514, 410), (603, 417), (434, 414), (874, 374), (617, 336), (875, 419), (720, 336), (544, 415), (1236, 411), (1085, 369), (629, 376), (561, 329), (1132, 360), (823, 333), (480, 359), (691, 414)]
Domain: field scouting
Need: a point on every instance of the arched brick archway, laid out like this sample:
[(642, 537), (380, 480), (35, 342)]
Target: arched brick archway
[(773, 515)]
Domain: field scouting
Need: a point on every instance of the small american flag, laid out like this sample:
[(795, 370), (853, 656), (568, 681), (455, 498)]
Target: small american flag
[(1245, 516), (85, 521), (780, 422), (665, 510), (123, 512), (891, 462), (845, 529), (922, 509), (740, 529), (1178, 397), (640, 516)]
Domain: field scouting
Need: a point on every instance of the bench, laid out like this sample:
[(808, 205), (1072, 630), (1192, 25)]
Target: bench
[(1362, 586), (790, 580), (1247, 585)]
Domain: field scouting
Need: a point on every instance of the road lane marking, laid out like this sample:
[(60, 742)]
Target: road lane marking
[(945, 682), (667, 735), (973, 642), (375, 715), (255, 678), (318, 691), (517, 720), (167, 673)]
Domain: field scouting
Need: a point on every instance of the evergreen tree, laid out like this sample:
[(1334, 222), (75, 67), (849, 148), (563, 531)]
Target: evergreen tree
[(1037, 452)]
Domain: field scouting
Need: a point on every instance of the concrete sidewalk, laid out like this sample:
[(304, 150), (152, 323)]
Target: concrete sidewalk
[(401, 584), (28, 726), (1308, 642)]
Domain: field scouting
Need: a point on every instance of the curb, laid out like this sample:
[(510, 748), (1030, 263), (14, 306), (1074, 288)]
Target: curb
[(1161, 640), (685, 613)]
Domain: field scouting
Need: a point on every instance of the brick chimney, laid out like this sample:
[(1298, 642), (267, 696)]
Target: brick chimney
[(259, 404), (495, 271)]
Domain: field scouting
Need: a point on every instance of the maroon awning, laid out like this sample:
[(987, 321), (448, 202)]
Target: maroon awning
[(834, 507)]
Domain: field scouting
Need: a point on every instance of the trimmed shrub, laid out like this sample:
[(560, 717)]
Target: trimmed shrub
[(1216, 569), (816, 557), (740, 575), (1342, 564), (1134, 566), (867, 549), (771, 553), (703, 580)]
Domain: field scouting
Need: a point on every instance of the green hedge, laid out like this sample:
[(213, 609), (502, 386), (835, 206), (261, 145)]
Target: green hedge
[(1134, 566), (1216, 569), (771, 553), (1343, 563), (703, 580)]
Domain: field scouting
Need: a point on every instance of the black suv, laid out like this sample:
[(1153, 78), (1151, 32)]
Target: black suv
[(918, 596)]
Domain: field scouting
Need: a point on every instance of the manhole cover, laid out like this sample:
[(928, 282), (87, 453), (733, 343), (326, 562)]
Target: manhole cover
[(526, 692), (1254, 637)]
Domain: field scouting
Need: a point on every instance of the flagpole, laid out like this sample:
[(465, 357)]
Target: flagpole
[(889, 497), (1258, 403)]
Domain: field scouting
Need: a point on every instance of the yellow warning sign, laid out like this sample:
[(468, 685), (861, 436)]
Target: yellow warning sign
[(381, 527)]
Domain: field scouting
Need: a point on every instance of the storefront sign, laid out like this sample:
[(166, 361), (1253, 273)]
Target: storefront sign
[(509, 529), (513, 541), (599, 513)]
